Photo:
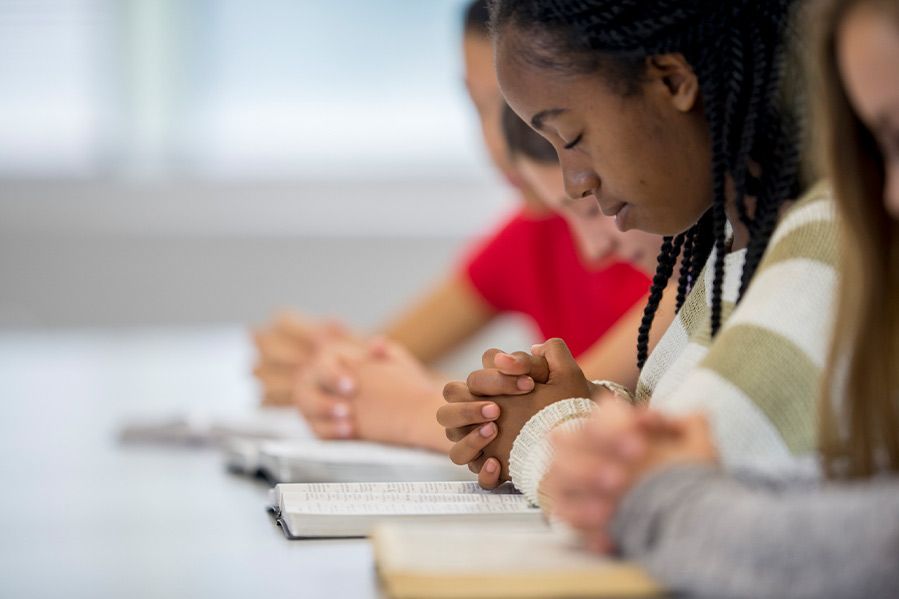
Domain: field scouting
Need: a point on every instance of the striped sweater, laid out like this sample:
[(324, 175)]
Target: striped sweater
[(758, 379)]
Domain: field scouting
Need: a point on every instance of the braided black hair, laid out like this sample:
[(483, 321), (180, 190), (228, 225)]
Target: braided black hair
[(477, 18), (737, 49)]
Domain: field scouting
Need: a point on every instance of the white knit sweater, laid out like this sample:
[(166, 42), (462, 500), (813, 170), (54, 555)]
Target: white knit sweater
[(758, 379)]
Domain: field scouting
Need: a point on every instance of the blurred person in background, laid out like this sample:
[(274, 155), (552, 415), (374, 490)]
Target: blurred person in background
[(381, 388)]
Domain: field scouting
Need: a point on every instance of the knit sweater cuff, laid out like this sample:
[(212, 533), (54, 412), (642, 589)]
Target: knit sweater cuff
[(532, 449), (617, 390)]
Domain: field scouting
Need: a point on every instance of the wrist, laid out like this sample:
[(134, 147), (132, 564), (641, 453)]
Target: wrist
[(602, 390)]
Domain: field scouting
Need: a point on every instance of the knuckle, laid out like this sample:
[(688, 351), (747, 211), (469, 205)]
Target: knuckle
[(453, 390), (523, 356), (477, 380), (487, 356), (457, 458), (488, 382)]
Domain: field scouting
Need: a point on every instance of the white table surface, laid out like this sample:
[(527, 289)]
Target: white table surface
[(82, 516)]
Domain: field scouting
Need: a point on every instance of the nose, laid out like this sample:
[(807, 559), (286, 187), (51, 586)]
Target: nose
[(580, 179)]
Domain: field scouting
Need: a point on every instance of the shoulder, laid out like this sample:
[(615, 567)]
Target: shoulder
[(807, 230)]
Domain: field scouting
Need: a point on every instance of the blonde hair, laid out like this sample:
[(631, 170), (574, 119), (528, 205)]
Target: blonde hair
[(859, 435)]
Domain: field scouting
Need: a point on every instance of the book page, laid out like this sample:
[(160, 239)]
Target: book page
[(443, 487), (363, 505), (398, 498)]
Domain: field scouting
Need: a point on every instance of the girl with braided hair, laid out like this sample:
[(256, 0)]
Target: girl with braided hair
[(348, 385), (598, 240), (675, 117), (700, 531)]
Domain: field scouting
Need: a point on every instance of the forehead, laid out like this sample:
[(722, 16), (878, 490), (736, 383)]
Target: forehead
[(528, 88)]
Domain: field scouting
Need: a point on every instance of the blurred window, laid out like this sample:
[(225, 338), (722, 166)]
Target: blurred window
[(233, 88), (53, 77)]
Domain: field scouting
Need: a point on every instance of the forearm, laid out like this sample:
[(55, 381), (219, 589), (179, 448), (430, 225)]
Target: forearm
[(701, 532), (440, 320)]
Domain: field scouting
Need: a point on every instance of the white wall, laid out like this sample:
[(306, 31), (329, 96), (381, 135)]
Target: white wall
[(90, 254)]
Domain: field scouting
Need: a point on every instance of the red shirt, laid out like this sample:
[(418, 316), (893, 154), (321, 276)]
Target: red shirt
[(531, 265)]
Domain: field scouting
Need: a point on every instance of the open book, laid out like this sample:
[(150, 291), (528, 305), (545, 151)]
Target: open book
[(353, 509), (497, 561), (313, 460)]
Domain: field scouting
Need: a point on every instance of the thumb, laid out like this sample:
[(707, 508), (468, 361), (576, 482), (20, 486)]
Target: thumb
[(522, 363), (336, 375), (557, 355), (380, 348)]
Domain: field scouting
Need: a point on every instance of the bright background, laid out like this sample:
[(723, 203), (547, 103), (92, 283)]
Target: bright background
[(172, 171), (169, 162)]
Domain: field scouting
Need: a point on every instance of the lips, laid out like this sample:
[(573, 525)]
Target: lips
[(621, 218), (612, 210)]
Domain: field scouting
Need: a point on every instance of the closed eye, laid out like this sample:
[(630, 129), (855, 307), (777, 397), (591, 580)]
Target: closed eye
[(570, 145)]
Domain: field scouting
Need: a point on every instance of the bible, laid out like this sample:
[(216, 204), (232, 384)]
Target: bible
[(343, 510), (497, 561), (314, 460)]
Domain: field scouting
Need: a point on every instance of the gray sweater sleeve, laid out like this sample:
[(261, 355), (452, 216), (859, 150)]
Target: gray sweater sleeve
[(701, 532)]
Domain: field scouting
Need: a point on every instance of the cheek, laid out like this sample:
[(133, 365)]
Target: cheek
[(664, 171), (494, 141)]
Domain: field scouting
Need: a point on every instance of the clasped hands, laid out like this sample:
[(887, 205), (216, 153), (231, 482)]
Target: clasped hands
[(348, 386), (484, 414), (594, 467)]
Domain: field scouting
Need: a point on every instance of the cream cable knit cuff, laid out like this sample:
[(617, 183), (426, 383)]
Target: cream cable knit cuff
[(532, 450)]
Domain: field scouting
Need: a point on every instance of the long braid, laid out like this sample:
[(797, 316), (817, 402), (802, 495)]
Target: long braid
[(705, 239), (780, 143), (737, 49), (685, 280), (668, 254), (713, 92)]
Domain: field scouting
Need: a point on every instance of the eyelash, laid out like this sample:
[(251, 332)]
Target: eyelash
[(570, 145)]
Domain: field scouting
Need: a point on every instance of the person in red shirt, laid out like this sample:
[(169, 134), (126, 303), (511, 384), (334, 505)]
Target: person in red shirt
[(564, 294), (350, 387)]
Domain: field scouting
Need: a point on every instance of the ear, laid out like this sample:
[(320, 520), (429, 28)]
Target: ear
[(676, 79)]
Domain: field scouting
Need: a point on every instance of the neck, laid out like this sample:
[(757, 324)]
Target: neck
[(741, 233), (533, 204)]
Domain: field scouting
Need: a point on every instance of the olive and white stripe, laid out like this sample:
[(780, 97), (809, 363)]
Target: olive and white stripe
[(759, 379)]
